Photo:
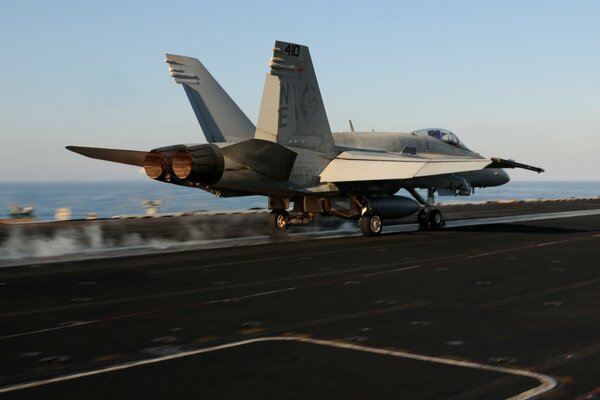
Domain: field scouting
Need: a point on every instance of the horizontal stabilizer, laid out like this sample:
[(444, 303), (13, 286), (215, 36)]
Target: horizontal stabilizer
[(267, 158), (131, 157), (502, 163), (354, 166)]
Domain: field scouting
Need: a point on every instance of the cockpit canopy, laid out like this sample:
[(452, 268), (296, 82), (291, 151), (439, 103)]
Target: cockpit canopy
[(442, 134)]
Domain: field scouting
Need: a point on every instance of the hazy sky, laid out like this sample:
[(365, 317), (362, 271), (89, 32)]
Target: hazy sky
[(516, 79)]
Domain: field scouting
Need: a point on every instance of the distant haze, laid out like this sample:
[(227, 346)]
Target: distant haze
[(518, 80)]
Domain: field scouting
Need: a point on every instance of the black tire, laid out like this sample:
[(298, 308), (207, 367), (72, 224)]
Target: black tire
[(423, 219), (278, 220), (371, 225), (435, 219)]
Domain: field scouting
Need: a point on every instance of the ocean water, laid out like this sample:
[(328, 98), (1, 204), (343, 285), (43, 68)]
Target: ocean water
[(109, 199)]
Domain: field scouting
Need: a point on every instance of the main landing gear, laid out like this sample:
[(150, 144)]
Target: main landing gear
[(279, 220), (370, 225), (429, 217)]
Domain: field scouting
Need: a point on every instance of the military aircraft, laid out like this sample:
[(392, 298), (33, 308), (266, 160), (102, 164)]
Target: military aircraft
[(292, 156)]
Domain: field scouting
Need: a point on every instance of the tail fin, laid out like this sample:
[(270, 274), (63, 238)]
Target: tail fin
[(220, 118), (292, 111)]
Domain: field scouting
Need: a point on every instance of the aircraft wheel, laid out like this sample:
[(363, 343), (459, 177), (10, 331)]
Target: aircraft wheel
[(435, 219), (279, 220), (371, 225), (423, 219)]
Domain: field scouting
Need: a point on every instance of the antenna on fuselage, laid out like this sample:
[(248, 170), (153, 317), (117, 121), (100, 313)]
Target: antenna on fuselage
[(351, 126)]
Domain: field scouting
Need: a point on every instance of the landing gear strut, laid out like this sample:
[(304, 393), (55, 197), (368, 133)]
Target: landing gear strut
[(429, 217)]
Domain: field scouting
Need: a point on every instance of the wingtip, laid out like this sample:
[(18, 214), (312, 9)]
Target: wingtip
[(74, 149)]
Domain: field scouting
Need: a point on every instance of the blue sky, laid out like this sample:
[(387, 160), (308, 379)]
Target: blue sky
[(517, 79)]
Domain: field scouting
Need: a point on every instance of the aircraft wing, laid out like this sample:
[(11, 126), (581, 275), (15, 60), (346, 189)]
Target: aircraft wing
[(353, 166), (131, 157)]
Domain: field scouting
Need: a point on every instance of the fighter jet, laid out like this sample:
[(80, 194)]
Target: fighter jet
[(292, 156)]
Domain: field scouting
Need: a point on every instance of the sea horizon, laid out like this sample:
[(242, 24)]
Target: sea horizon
[(114, 198)]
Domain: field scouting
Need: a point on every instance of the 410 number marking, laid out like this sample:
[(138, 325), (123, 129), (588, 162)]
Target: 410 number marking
[(292, 50)]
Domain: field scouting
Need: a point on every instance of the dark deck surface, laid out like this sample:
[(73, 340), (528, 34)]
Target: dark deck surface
[(523, 295)]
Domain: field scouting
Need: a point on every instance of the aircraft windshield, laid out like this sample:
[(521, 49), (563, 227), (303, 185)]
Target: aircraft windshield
[(442, 134)]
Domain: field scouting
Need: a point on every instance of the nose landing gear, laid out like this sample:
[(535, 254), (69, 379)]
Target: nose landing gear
[(429, 217)]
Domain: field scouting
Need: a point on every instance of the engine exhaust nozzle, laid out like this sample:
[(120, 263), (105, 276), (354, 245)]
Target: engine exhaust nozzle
[(154, 164)]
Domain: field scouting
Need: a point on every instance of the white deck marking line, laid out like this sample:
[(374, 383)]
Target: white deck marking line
[(520, 248), (210, 302), (459, 223), (249, 296), (392, 270), (546, 382), (54, 328), (521, 218), (551, 243), (528, 295), (243, 262), (214, 289), (347, 317), (219, 301)]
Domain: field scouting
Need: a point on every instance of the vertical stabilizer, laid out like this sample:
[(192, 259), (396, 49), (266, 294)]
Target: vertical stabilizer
[(220, 118), (292, 111)]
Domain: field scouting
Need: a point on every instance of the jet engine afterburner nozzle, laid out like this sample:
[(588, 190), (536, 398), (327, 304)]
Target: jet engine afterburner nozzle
[(154, 164), (182, 164), (185, 164), (202, 163), (157, 163)]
